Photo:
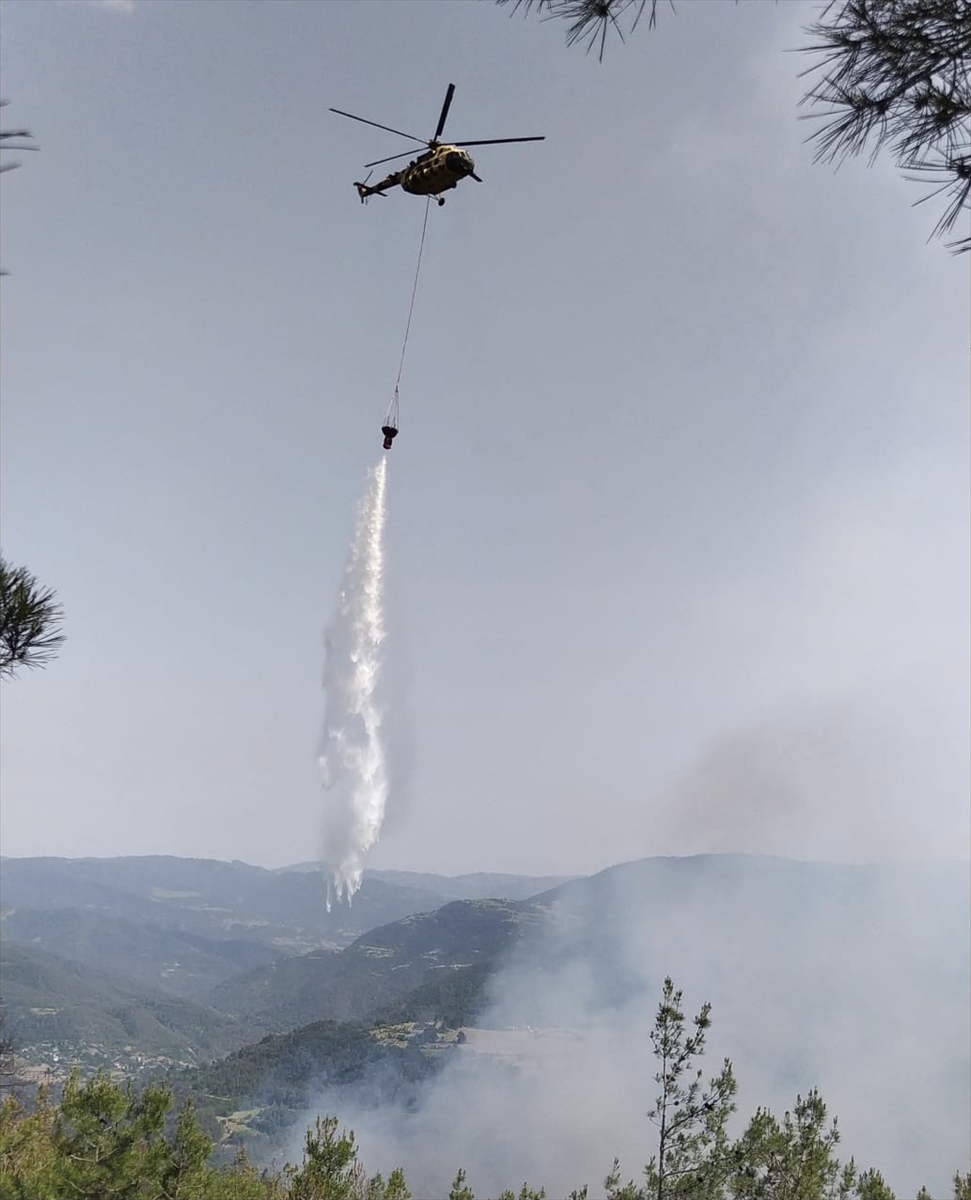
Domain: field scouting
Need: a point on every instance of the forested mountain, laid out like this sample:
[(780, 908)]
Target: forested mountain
[(478, 885), (231, 935), (78, 1014), (813, 970), (217, 901), (378, 971)]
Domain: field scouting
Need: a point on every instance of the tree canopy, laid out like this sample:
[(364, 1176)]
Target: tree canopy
[(106, 1140)]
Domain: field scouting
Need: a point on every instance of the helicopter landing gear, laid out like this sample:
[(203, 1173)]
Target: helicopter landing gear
[(440, 200)]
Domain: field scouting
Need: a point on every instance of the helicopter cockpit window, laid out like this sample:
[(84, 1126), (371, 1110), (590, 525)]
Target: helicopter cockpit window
[(458, 162)]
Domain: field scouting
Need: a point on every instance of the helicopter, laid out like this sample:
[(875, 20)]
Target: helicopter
[(438, 170)]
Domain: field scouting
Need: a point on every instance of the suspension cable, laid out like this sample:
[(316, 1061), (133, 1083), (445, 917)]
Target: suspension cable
[(393, 411)]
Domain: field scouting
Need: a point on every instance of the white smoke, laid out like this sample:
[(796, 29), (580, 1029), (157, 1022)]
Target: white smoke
[(353, 760)]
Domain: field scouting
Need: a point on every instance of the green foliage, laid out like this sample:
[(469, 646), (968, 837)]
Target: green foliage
[(183, 1174), (241, 1180), (108, 1140), (872, 1186), (693, 1156), (459, 1189), (27, 1158), (691, 1120), (284, 1069), (331, 1171), (329, 1168), (30, 617), (615, 1190), (794, 1159)]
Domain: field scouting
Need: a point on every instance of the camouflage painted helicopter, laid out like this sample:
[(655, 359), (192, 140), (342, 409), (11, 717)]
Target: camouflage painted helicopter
[(438, 170)]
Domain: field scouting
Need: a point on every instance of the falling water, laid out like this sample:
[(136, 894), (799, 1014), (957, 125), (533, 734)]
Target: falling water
[(353, 761)]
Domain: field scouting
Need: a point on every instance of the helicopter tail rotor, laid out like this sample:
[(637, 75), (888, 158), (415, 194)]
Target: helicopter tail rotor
[(363, 190)]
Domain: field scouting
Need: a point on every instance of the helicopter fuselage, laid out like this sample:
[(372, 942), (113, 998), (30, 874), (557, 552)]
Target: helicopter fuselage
[(437, 171), (430, 174)]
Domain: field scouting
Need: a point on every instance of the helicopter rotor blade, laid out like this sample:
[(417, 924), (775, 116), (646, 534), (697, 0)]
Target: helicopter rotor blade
[(364, 121), (445, 107), (391, 157), (498, 141)]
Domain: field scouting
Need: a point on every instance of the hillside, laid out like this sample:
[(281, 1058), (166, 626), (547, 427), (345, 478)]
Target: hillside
[(845, 955), (813, 971), (149, 954), (215, 900), (479, 885), (243, 938), (66, 1012), (187, 925), (261, 1090), (378, 972)]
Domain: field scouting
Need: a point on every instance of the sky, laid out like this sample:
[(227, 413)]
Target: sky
[(678, 518)]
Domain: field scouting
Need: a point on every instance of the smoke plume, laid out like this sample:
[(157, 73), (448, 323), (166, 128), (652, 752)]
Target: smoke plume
[(353, 760)]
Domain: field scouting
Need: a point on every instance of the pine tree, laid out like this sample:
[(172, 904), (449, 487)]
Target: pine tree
[(872, 1186), (793, 1159), (693, 1158)]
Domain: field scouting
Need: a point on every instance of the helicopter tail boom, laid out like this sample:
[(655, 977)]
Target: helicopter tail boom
[(364, 191)]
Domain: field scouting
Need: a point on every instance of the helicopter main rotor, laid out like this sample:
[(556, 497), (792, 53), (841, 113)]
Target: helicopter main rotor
[(432, 143)]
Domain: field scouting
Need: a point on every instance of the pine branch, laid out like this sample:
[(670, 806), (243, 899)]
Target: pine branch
[(896, 76), (30, 621)]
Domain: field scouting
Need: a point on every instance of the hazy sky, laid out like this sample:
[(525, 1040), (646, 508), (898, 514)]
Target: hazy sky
[(678, 516)]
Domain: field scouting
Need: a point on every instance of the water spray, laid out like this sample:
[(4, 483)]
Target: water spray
[(353, 759)]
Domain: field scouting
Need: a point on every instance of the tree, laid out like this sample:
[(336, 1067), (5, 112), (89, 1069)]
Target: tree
[(27, 1156), (331, 1171), (183, 1174), (11, 1078), (794, 1159), (895, 76), (109, 1141), (962, 1186), (693, 1156), (8, 1057), (872, 1186), (30, 621), (105, 1142), (460, 1190)]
